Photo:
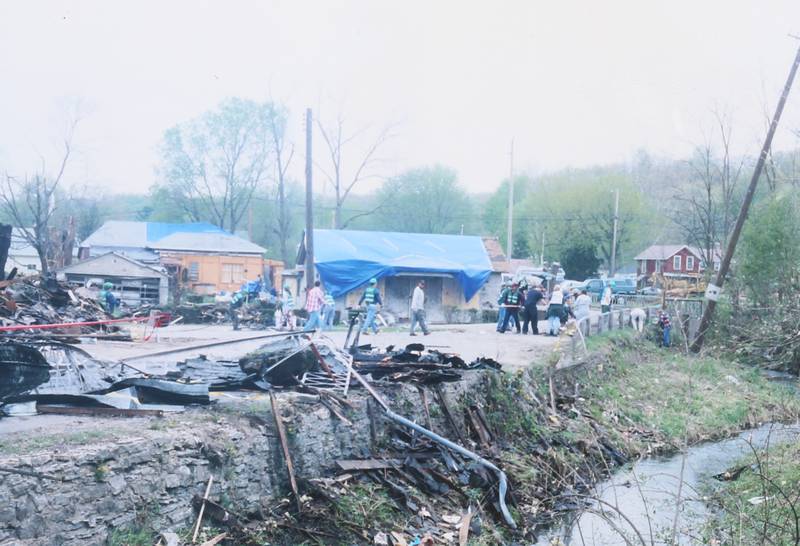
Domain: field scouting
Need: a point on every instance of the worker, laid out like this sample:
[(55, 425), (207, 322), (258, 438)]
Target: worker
[(371, 298), (638, 319), (512, 301), (237, 300), (328, 311), (107, 299), (315, 301), (532, 299), (665, 325), (418, 309), (582, 303), (501, 311), (605, 299), (555, 310)]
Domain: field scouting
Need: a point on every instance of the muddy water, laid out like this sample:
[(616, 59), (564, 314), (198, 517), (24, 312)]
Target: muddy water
[(644, 499)]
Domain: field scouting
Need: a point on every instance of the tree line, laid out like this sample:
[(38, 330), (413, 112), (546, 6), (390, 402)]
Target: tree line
[(231, 166)]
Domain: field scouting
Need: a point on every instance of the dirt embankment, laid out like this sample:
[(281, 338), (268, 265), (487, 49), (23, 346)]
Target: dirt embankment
[(123, 482)]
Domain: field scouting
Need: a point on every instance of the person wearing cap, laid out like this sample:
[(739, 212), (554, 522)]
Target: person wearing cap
[(512, 301), (501, 311), (372, 299), (107, 299), (237, 300), (418, 309)]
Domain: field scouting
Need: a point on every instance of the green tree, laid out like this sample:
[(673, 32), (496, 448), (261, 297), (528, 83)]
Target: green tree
[(580, 261), (213, 165), (768, 261), (425, 200), (495, 215)]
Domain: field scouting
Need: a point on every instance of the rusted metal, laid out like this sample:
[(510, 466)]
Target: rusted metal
[(99, 411)]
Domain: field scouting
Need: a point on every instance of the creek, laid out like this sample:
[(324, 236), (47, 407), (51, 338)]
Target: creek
[(638, 504)]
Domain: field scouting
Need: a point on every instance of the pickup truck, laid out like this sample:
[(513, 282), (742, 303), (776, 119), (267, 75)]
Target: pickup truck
[(618, 286)]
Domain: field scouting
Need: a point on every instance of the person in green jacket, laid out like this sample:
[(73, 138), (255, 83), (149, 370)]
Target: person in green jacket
[(372, 299)]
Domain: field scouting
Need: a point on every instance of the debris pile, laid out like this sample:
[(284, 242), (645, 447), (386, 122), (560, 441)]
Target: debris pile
[(31, 301), (256, 314)]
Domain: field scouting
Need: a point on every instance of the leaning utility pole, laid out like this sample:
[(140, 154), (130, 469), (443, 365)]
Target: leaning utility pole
[(509, 242), (309, 207), (713, 290), (613, 268)]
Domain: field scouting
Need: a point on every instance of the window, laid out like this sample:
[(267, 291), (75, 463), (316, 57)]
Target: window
[(690, 263), (676, 263), (232, 273), (194, 271), (31, 267)]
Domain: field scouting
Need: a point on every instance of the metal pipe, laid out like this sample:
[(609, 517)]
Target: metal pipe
[(214, 344), (501, 476)]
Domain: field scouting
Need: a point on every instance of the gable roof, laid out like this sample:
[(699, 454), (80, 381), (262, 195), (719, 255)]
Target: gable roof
[(187, 237), (207, 242), (121, 233), (347, 259), (665, 252), (113, 264)]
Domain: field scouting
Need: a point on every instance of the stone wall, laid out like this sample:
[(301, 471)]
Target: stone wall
[(114, 473)]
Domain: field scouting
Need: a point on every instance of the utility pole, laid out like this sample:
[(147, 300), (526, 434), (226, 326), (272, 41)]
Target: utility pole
[(713, 291), (613, 267), (541, 256), (309, 207), (510, 238)]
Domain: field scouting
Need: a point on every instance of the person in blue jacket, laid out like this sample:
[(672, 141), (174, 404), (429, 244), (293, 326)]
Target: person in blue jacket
[(371, 298), (107, 299)]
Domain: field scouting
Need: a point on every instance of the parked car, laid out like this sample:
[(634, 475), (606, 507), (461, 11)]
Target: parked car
[(625, 287)]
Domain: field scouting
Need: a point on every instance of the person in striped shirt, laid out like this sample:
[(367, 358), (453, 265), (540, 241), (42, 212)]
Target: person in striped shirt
[(328, 311)]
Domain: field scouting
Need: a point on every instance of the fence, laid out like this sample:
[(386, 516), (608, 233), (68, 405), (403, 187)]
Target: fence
[(616, 319)]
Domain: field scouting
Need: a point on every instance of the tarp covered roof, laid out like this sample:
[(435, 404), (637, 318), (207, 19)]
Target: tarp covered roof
[(347, 259)]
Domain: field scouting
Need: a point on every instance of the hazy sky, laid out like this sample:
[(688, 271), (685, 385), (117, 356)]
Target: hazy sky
[(573, 82)]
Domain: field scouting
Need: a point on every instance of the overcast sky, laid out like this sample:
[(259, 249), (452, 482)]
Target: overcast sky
[(573, 82)]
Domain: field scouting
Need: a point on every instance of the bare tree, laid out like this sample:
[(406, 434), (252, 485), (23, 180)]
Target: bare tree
[(283, 157), (214, 164), (342, 180), (707, 212), (30, 204)]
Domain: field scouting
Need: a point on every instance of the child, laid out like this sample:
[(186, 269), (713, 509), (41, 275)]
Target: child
[(664, 324)]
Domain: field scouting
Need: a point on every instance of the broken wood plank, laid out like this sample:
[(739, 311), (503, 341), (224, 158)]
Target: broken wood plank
[(448, 414), (367, 464), (423, 394), (216, 540), (285, 446), (202, 509), (99, 412), (463, 530)]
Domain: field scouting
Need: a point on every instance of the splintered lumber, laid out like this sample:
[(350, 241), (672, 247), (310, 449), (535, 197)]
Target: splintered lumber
[(285, 446), (202, 509), (367, 464)]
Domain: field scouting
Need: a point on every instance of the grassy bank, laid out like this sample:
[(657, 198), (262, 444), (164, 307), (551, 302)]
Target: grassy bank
[(760, 505), (629, 399)]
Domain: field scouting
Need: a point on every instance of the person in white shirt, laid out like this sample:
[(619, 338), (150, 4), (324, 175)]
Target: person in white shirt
[(418, 309), (582, 304), (555, 310)]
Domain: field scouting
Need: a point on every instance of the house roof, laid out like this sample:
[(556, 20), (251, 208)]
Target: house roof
[(134, 237), (347, 259), (120, 233), (19, 244), (500, 264), (207, 242), (664, 252), (113, 264)]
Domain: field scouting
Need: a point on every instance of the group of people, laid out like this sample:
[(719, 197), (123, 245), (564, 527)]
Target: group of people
[(371, 299), (517, 297)]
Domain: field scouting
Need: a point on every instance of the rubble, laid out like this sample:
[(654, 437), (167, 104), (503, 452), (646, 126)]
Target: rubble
[(34, 300)]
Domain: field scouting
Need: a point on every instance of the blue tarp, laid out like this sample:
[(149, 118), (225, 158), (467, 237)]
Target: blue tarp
[(346, 260)]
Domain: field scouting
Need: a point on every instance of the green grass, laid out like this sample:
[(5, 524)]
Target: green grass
[(774, 476), (685, 396), (131, 536)]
